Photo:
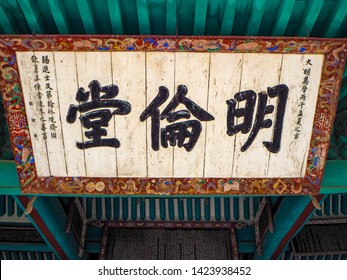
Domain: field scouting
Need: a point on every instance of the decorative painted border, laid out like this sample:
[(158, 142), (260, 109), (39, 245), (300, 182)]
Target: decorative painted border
[(334, 51)]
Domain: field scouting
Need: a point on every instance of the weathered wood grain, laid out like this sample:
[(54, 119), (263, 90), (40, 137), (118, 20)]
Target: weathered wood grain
[(211, 80), (100, 161), (292, 158), (55, 146), (160, 70), (128, 73), (32, 107), (225, 74), (259, 71), (191, 70), (67, 86)]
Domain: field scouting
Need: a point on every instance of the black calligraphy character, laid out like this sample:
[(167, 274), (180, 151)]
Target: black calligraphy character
[(34, 59), (177, 132), (280, 91), (45, 59), (308, 62), (100, 117), (247, 112), (153, 112)]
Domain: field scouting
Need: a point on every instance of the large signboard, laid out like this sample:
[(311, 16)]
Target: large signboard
[(119, 115)]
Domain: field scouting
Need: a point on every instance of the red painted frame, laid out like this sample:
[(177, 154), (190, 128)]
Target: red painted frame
[(334, 51)]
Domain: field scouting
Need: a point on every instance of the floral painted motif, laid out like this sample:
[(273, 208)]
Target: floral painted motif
[(334, 52)]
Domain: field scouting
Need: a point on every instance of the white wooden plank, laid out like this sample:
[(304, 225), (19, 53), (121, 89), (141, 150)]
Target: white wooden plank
[(294, 152), (225, 74), (259, 71), (50, 99), (160, 69), (128, 71), (192, 70), (67, 85), (32, 107), (97, 66)]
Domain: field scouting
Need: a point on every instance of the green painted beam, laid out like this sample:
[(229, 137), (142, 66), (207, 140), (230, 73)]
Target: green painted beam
[(309, 17), (59, 16), (335, 177), (32, 16), (17, 16), (335, 19), (171, 17), (25, 247), (87, 16), (115, 16), (228, 18), (143, 17), (282, 17), (5, 22), (256, 17), (200, 17), (9, 183)]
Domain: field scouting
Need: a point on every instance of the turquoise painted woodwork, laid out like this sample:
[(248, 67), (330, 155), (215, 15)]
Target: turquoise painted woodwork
[(142, 210), (3, 208), (98, 209), (133, 208), (290, 210), (108, 209), (162, 209), (52, 213), (89, 208), (197, 206), (34, 247), (125, 209)]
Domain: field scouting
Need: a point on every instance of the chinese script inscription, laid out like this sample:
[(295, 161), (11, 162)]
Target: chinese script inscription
[(179, 131), (279, 91), (93, 115)]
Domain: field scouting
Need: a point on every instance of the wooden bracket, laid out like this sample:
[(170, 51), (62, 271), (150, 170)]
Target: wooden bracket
[(315, 202), (30, 205)]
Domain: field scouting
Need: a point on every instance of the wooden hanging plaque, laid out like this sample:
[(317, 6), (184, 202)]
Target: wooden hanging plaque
[(170, 115)]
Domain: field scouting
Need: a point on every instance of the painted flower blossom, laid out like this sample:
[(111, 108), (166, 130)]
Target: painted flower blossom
[(166, 44)]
